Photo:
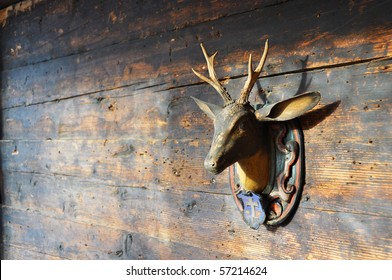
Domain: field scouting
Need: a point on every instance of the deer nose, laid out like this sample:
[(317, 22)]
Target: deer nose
[(211, 165)]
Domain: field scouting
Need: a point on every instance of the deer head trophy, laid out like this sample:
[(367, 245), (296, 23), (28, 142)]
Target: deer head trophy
[(241, 132)]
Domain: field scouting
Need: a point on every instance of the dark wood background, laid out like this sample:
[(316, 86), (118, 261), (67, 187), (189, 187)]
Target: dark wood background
[(102, 147)]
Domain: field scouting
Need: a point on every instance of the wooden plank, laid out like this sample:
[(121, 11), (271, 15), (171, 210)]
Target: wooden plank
[(128, 162), (34, 232), (123, 114), (12, 252), (179, 165), (9, 8), (68, 27), (6, 3), (74, 240), (211, 224), (168, 59), (145, 247), (76, 197)]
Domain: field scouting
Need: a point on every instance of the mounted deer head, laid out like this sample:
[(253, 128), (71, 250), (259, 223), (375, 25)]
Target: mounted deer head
[(240, 130)]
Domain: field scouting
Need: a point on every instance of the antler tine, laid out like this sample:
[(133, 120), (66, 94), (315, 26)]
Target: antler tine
[(252, 76), (213, 81)]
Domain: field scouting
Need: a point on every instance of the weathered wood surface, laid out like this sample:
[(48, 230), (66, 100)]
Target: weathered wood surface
[(102, 147), (105, 212), (8, 3), (165, 59), (178, 162)]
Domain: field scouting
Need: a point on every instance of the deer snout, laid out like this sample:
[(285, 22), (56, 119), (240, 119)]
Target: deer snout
[(210, 165), (214, 165)]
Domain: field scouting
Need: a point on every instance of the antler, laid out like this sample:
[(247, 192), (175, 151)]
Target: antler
[(252, 76), (213, 81)]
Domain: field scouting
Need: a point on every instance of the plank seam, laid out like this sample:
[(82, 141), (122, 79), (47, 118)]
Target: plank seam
[(184, 26), (34, 251), (344, 212), (298, 71), (194, 191), (293, 72), (120, 228)]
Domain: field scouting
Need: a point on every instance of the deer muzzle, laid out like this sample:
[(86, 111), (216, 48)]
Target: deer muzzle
[(212, 166), (216, 162)]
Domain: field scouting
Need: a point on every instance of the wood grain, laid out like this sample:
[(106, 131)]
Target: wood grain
[(102, 147), (123, 114), (94, 24), (186, 217), (167, 59), (6, 3)]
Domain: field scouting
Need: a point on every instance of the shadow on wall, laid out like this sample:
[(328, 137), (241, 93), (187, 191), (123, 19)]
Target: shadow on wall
[(313, 118), (316, 116)]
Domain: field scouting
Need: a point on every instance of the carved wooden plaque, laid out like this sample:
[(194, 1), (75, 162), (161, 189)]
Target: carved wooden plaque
[(281, 197)]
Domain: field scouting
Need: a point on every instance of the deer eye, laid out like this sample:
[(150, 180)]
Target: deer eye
[(243, 126)]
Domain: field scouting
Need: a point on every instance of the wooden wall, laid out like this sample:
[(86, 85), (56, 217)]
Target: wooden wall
[(102, 147)]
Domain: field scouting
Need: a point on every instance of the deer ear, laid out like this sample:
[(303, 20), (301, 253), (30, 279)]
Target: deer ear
[(290, 108), (210, 109)]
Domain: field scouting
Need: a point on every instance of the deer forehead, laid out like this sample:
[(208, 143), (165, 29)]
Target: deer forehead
[(231, 114), (235, 111)]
